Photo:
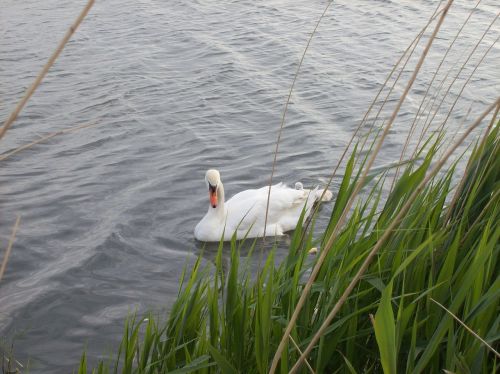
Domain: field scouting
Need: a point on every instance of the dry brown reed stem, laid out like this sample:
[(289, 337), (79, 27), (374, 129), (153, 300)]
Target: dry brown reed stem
[(9, 247), (460, 126), (412, 46), (286, 108), (492, 200), (426, 126), (458, 191), (442, 125), (298, 349), (412, 127), (466, 83), (467, 328), (446, 143), (442, 61), (386, 234), (45, 138), (474, 174), (324, 252), (9, 360), (430, 104), (8, 122)]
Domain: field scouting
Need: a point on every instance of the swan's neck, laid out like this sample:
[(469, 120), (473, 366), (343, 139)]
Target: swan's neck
[(219, 209)]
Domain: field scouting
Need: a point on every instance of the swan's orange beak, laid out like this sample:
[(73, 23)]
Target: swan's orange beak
[(213, 199), (212, 193)]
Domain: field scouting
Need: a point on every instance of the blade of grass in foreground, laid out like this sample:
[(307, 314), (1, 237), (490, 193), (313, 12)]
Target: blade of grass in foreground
[(385, 332)]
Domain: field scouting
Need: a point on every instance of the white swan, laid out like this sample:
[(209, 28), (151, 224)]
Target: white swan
[(244, 214)]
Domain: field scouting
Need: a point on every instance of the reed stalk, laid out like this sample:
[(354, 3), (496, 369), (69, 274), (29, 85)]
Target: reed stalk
[(426, 126), (462, 181), (283, 117), (45, 138), (29, 92), (9, 247), (333, 236), (468, 328), (412, 126)]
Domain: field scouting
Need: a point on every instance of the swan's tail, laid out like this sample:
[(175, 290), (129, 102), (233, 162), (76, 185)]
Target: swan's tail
[(326, 197)]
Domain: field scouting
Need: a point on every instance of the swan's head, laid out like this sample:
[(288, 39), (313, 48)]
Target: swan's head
[(212, 177)]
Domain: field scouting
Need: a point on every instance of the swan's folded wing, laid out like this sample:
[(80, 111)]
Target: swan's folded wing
[(283, 201), (243, 195), (286, 201), (286, 207), (252, 196), (247, 209)]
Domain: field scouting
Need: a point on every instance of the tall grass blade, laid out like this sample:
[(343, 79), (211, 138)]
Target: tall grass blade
[(385, 332)]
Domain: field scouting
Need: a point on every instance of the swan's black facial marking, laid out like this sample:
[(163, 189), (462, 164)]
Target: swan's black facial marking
[(212, 188)]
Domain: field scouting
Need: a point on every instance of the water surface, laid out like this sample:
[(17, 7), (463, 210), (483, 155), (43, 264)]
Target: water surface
[(176, 87)]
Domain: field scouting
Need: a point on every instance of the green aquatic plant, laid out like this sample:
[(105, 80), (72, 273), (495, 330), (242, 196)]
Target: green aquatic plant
[(405, 280), (439, 262)]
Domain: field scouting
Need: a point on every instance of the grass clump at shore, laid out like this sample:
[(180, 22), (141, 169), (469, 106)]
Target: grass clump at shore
[(441, 259)]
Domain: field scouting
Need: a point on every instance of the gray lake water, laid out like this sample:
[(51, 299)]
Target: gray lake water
[(176, 87)]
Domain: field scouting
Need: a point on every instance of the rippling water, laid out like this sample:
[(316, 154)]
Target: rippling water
[(176, 87)]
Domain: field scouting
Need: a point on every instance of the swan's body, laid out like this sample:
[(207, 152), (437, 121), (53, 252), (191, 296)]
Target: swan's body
[(244, 214)]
